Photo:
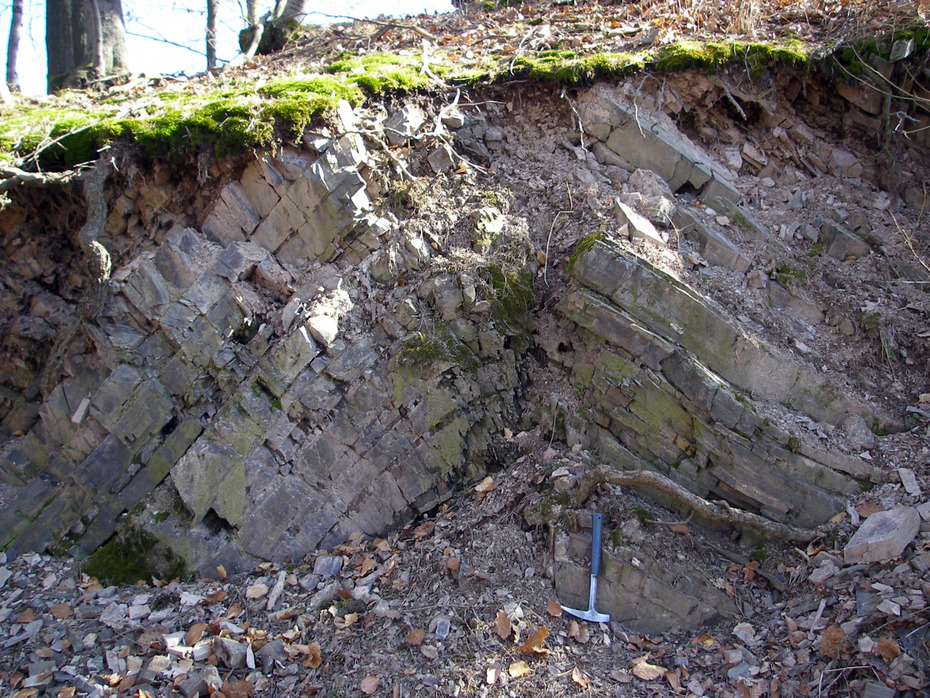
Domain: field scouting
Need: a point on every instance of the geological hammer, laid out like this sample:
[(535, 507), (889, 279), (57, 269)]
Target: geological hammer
[(592, 615)]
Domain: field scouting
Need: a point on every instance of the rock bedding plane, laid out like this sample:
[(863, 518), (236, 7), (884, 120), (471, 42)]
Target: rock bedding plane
[(375, 370)]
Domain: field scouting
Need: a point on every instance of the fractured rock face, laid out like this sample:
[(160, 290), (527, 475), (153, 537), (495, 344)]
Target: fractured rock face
[(667, 392), (243, 379)]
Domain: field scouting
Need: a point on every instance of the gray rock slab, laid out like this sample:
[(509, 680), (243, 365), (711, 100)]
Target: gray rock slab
[(841, 244), (883, 536), (231, 653), (403, 124), (638, 227)]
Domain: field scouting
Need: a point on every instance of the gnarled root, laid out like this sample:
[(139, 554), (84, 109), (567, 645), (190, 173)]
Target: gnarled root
[(719, 512)]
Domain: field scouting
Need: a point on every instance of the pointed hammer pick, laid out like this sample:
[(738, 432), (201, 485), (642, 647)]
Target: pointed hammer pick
[(591, 614)]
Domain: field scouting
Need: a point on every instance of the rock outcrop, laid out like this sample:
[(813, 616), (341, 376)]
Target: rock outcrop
[(304, 363)]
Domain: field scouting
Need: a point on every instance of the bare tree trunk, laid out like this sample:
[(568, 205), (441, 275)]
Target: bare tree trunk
[(211, 34), (85, 39), (251, 11), (294, 9), (94, 33), (59, 41), (113, 35), (12, 49)]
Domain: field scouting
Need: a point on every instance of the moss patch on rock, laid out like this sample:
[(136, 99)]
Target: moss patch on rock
[(133, 555), (512, 305)]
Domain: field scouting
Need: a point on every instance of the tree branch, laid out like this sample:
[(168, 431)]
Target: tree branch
[(396, 25)]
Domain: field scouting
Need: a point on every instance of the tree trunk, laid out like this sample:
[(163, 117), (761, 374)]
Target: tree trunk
[(16, 24), (294, 10), (115, 55), (211, 33), (251, 11), (85, 40), (59, 41)]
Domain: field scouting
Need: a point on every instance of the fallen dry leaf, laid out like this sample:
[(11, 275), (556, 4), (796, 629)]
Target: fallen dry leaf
[(673, 680), (424, 530), (45, 653), (126, 683), (453, 564), (366, 565), (580, 678), (518, 669), (256, 591), (415, 637), (235, 610), (621, 676), (887, 649), (347, 620), (314, 656), (832, 641), (369, 684), (26, 616), (705, 641), (25, 693), (221, 571), (502, 625), (554, 609), (534, 642), (866, 509), (485, 485), (492, 674), (61, 610), (646, 671), (579, 633), (66, 692), (194, 634), (237, 689), (429, 651), (217, 596)]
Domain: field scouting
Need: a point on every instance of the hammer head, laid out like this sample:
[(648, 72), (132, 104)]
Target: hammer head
[(591, 615)]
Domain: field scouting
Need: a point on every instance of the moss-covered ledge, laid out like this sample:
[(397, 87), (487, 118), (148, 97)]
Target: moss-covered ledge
[(242, 113)]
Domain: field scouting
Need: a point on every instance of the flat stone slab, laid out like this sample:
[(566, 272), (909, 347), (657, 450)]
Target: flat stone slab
[(883, 536)]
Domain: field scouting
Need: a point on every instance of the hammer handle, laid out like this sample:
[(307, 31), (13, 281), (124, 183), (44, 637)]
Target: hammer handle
[(597, 521)]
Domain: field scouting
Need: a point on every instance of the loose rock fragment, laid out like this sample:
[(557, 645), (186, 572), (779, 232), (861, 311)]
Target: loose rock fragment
[(883, 536)]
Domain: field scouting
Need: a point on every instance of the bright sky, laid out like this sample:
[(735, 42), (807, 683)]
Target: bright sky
[(149, 24)]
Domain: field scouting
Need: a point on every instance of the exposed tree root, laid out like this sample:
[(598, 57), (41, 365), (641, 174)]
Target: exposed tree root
[(719, 512)]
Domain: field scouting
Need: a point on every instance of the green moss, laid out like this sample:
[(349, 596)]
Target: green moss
[(642, 514), (380, 73), (582, 247), (567, 68), (423, 350), (789, 274), (229, 121), (871, 321), (323, 86), (130, 556), (512, 304), (714, 55)]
